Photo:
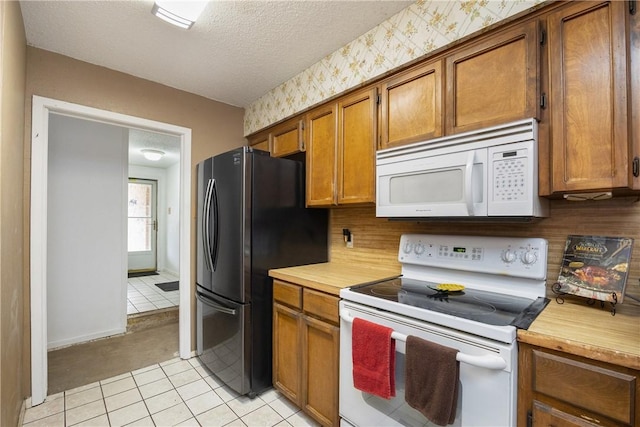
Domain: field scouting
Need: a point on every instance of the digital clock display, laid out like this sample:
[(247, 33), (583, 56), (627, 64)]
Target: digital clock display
[(459, 250)]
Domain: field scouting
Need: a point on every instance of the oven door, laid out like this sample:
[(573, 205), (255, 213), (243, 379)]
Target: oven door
[(443, 185), (488, 375)]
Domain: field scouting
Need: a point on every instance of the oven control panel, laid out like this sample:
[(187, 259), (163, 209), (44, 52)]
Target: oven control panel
[(511, 256)]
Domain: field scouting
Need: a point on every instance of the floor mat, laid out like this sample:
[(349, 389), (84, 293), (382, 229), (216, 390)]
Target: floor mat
[(168, 286), (142, 274)]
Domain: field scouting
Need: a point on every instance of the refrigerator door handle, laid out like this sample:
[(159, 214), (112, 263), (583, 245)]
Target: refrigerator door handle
[(214, 253), (215, 306), (206, 242)]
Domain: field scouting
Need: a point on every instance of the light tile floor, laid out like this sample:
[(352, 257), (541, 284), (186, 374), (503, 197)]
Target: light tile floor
[(143, 295), (173, 393)]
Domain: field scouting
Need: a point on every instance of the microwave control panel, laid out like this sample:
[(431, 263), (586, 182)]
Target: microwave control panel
[(511, 174)]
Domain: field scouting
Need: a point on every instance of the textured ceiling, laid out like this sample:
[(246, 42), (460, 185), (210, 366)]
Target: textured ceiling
[(235, 53), (140, 139)]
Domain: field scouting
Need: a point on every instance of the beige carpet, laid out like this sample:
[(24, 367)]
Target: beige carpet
[(86, 363)]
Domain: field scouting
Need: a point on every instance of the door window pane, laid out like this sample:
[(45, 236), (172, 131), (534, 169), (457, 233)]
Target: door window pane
[(140, 220)]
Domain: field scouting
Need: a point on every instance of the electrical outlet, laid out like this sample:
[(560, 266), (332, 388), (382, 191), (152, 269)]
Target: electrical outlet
[(350, 242)]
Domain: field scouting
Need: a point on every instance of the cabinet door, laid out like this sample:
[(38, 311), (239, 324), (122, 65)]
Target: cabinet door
[(286, 352), (260, 141), (494, 81), (357, 136), (320, 354), (588, 96), (287, 138), (321, 155), (411, 106)]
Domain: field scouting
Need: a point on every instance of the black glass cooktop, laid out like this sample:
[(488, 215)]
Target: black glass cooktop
[(481, 306)]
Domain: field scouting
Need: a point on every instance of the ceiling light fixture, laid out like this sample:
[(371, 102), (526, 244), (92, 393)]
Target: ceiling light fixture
[(153, 155), (179, 13)]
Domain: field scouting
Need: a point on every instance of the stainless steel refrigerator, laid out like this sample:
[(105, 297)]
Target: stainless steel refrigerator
[(251, 218)]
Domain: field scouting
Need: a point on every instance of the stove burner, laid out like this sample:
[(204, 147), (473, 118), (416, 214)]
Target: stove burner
[(385, 290), (472, 306)]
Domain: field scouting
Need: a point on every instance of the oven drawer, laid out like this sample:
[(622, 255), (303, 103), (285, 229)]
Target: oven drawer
[(287, 294), (586, 386)]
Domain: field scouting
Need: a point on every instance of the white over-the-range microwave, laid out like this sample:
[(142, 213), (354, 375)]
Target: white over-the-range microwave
[(487, 174)]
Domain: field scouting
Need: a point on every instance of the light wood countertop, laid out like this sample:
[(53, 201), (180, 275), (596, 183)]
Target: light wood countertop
[(330, 277), (573, 327), (589, 331)]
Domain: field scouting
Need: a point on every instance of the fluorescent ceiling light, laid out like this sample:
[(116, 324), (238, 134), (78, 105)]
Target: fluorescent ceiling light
[(153, 155), (180, 13)]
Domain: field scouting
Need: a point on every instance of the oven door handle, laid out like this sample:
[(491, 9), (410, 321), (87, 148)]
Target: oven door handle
[(486, 361)]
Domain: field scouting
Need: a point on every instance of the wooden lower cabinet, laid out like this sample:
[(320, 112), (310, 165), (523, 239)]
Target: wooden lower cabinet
[(287, 372), (559, 389), (320, 360), (306, 339), (545, 415)]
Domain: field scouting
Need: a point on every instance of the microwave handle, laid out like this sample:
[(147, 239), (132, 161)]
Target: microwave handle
[(468, 184)]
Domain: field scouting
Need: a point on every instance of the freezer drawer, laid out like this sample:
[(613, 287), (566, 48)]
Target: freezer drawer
[(223, 340)]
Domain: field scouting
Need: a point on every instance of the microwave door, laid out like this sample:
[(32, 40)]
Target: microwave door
[(446, 185)]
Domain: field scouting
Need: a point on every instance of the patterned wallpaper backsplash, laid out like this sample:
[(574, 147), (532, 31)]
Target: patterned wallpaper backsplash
[(413, 32)]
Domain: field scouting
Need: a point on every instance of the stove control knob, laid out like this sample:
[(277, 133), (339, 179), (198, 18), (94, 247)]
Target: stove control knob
[(419, 249), (407, 247), (529, 258), (508, 256)]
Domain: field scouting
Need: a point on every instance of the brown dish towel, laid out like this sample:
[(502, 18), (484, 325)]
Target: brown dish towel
[(431, 380)]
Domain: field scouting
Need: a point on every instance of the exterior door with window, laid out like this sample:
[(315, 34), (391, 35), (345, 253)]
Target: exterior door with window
[(142, 225)]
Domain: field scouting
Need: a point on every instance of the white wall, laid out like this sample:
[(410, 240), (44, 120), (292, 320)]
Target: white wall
[(168, 198), (173, 219), (87, 245)]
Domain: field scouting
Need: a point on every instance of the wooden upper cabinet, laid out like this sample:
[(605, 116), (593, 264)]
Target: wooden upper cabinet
[(341, 150), (288, 138), (412, 106), (281, 140), (321, 155), (357, 136), (494, 81), (588, 99), (260, 141)]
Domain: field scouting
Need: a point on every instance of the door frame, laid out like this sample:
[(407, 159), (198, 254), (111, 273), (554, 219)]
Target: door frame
[(41, 107)]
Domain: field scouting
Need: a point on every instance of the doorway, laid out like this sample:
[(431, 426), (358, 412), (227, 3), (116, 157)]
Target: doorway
[(142, 225), (41, 110)]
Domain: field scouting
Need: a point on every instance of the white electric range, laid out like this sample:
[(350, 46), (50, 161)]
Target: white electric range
[(502, 288)]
